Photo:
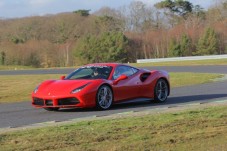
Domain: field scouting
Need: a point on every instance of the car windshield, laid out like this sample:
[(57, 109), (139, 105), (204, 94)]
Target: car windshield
[(90, 72)]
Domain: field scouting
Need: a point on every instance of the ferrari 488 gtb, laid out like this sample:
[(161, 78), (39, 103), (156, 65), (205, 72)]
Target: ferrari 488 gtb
[(101, 85)]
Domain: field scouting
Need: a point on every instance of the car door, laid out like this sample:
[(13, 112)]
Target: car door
[(128, 88)]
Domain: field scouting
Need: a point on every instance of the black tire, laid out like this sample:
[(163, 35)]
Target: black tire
[(161, 91), (51, 108), (104, 98)]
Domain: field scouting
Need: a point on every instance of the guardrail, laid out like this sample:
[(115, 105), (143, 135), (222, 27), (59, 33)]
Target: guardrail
[(182, 58)]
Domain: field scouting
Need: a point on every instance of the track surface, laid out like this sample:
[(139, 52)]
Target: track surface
[(21, 114)]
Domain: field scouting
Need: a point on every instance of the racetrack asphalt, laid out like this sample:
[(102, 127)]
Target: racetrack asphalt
[(23, 114)]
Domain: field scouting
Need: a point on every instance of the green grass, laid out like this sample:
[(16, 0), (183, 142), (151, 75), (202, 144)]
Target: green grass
[(14, 67), (184, 63), (172, 63), (19, 88), (179, 79), (201, 129)]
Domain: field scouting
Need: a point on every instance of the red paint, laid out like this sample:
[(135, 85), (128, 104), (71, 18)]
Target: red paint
[(124, 88)]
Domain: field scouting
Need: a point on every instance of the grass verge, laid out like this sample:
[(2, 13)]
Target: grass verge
[(11, 67), (200, 129), (179, 79), (18, 88), (184, 63), (170, 63)]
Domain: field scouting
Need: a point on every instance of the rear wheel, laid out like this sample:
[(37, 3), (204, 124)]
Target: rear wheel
[(161, 91), (104, 98), (51, 108)]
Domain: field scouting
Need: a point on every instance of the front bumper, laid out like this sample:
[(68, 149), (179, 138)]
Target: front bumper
[(56, 102)]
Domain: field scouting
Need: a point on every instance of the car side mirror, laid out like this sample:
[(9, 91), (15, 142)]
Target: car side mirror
[(122, 77), (62, 77)]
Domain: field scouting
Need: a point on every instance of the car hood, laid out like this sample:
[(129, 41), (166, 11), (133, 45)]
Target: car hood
[(60, 87)]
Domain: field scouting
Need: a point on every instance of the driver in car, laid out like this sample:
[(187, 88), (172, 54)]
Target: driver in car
[(96, 73)]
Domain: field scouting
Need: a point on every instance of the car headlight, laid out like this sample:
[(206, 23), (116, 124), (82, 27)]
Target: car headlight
[(79, 89), (36, 89)]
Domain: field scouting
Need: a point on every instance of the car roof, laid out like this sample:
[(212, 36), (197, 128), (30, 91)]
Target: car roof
[(109, 64), (104, 64)]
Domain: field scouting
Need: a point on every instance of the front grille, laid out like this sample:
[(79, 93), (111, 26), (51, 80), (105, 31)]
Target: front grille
[(38, 101), (49, 102), (68, 101)]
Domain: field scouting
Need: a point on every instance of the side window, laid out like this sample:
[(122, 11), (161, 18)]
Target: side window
[(135, 70), (128, 71)]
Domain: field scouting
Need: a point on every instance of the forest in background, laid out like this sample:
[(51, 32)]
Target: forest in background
[(170, 28)]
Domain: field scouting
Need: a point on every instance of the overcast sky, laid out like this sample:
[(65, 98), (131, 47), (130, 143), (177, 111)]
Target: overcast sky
[(21, 8)]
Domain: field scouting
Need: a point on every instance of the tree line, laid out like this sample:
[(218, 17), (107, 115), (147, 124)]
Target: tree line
[(170, 28)]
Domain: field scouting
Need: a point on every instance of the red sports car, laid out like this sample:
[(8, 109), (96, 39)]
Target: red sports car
[(100, 85)]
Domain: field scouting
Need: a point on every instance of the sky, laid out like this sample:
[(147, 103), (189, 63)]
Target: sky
[(23, 8)]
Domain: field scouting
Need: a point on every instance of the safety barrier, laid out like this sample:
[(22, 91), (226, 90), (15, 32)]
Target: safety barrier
[(182, 58)]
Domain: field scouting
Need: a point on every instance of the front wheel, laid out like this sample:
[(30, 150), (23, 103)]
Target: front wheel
[(161, 91), (51, 108), (104, 98)]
